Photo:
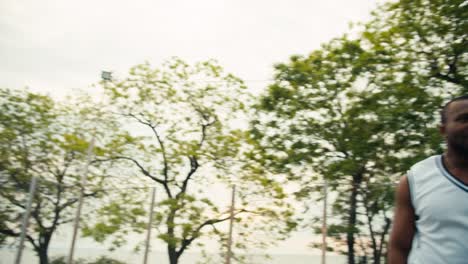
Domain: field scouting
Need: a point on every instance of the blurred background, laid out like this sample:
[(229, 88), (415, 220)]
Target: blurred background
[(208, 131)]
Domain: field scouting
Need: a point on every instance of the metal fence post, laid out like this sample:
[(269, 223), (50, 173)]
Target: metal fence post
[(231, 223), (150, 222), (324, 222), (80, 202), (25, 223)]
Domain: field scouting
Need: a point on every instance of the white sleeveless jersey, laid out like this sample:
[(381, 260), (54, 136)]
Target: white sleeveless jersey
[(440, 202)]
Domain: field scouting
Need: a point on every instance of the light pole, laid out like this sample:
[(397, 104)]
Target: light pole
[(231, 223), (324, 222), (150, 223), (80, 201), (25, 223)]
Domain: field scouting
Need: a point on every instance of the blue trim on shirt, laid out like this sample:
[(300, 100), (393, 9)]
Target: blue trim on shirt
[(449, 176)]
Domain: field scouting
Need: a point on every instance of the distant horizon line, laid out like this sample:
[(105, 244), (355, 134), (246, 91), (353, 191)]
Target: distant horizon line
[(329, 254)]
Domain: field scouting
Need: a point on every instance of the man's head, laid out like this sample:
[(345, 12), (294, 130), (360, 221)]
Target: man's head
[(443, 112), (454, 124)]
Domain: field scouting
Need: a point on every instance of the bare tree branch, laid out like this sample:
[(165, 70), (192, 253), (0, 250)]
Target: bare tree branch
[(8, 232), (193, 168), (195, 234), (164, 182), (163, 151), (187, 241)]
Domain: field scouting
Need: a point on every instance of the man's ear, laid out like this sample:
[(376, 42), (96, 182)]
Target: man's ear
[(442, 129)]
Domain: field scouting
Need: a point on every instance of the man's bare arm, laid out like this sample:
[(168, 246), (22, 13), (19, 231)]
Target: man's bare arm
[(403, 229)]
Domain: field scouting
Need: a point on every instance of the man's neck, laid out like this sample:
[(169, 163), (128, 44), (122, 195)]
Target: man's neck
[(457, 165), (457, 160)]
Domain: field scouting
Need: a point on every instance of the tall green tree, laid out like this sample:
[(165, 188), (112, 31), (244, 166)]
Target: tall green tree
[(187, 122), (326, 114), (424, 38), (361, 110), (44, 139)]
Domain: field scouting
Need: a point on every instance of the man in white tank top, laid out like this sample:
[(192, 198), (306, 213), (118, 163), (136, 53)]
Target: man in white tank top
[(431, 214)]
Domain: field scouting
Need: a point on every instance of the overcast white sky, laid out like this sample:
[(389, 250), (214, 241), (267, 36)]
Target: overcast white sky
[(57, 46)]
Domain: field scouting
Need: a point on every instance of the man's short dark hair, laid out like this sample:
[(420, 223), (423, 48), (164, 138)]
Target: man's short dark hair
[(443, 112)]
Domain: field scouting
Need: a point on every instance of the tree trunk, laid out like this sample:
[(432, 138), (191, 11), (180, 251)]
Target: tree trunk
[(173, 256), (382, 246), (352, 223), (42, 250), (375, 247), (43, 256), (171, 245)]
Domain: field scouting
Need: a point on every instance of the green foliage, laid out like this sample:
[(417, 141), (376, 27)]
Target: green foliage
[(44, 139), (426, 39), (359, 112), (189, 136), (63, 260), (100, 260), (106, 260)]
